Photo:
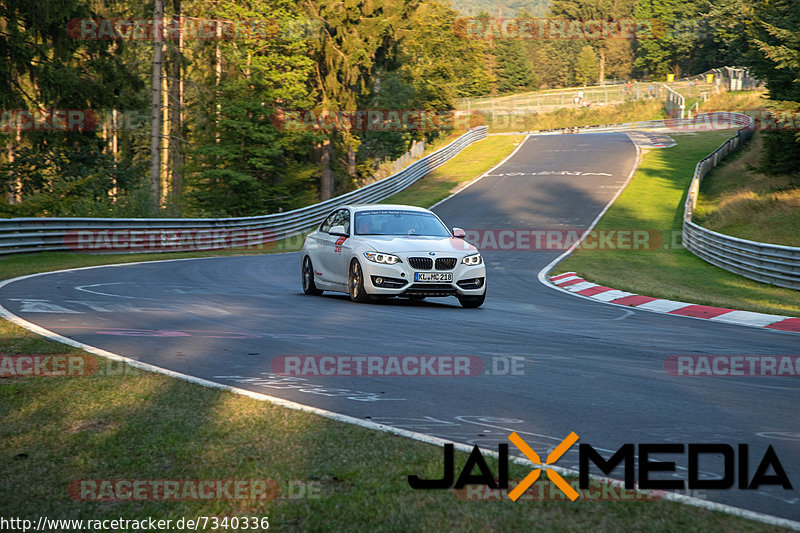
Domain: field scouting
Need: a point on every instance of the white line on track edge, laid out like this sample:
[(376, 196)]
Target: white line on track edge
[(421, 437), (546, 270)]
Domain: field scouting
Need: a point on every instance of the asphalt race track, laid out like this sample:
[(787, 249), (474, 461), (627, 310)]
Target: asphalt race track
[(588, 367)]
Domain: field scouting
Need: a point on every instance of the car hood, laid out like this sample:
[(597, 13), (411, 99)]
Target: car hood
[(415, 244)]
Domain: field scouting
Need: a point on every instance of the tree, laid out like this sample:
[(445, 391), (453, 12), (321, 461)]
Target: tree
[(352, 43), (555, 62), (75, 180), (774, 56), (619, 59), (515, 69), (47, 65), (674, 45), (593, 11), (586, 66), (254, 167), (725, 30), (155, 106), (244, 162), (775, 48), (442, 63)]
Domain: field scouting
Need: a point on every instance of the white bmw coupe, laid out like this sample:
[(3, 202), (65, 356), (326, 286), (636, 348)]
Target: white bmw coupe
[(391, 250)]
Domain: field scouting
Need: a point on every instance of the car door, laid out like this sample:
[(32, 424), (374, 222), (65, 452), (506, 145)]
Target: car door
[(341, 250), (318, 249), (330, 248)]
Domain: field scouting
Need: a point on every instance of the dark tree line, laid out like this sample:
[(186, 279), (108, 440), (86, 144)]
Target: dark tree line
[(223, 145)]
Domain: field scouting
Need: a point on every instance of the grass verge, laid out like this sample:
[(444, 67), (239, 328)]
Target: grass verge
[(572, 117), (735, 101), (473, 161), (654, 201), (737, 199)]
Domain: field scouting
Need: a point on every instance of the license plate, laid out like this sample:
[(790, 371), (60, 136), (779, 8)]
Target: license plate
[(433, 276)]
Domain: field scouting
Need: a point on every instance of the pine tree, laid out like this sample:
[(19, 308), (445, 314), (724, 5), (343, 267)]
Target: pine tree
[(45, 64)]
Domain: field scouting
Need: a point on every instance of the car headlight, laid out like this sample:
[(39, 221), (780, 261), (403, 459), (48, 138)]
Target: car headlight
[(474, 259), (378, 257)]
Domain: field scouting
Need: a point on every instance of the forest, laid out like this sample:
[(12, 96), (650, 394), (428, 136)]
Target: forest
[(184, 107)]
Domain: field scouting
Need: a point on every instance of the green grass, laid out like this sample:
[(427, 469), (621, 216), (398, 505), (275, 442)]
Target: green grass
[(473, 161), (737, 199), (654, 201)]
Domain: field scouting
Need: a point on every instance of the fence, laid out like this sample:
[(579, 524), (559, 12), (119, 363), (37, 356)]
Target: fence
[(697, 86), (768, 263), (171, 234), (542, 102)]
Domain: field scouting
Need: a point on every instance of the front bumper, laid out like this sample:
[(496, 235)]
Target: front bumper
[(398, 280)]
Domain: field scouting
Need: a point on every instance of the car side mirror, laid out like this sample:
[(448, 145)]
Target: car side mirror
[(459, 233), (338, 230)]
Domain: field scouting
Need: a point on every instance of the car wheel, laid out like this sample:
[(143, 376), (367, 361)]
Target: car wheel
[(471, 302), (356, 283), (309, 287)]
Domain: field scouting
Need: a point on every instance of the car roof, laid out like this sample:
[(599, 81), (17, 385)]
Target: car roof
[(370, 207)]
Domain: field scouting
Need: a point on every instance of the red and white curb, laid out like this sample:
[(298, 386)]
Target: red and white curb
[(571, 282)]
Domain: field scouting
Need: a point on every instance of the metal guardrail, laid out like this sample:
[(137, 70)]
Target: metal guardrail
[(675, 104), (768, 263), (171, 234)]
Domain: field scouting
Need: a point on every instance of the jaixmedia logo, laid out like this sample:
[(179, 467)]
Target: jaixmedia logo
[(735, 460)]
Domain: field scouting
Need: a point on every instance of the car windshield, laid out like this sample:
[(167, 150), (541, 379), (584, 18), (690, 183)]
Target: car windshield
[(398, 222)]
